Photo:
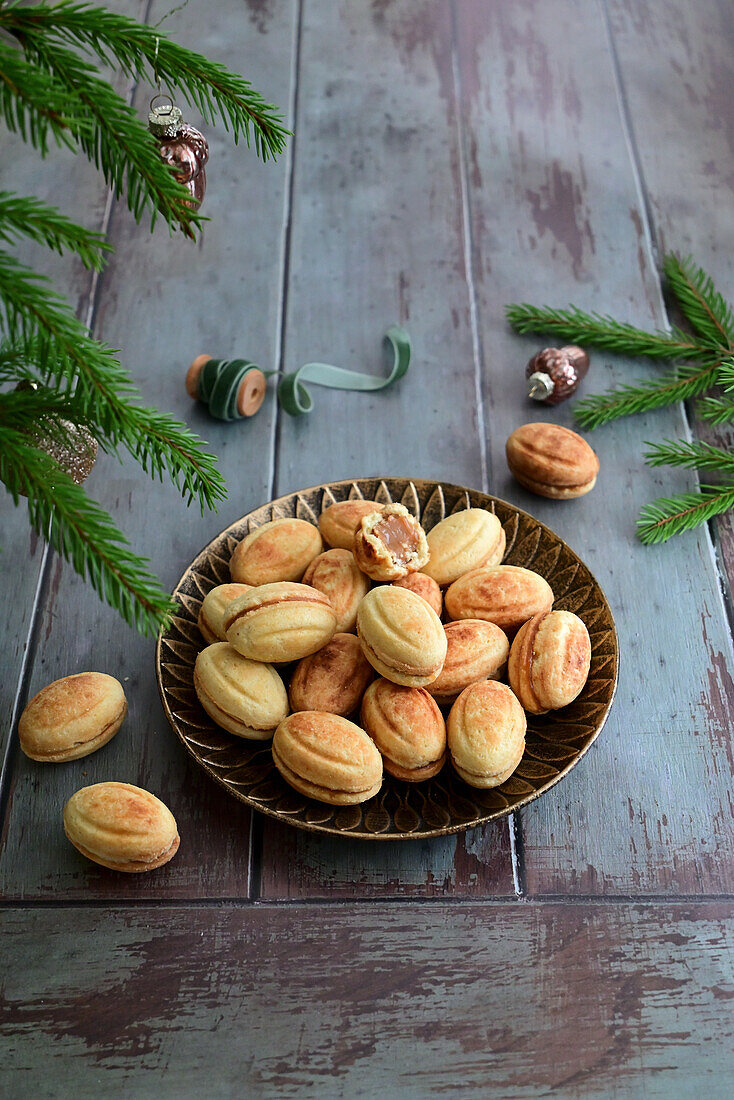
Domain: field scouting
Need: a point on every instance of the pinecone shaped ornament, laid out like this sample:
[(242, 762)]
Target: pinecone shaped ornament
[(554, 373), (181, 146)]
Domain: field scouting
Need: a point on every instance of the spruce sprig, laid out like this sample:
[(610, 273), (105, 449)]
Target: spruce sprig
[(82, 532), (716, 410), (115, 140), (706, 311), (684, 382), (22, 216), (669, 516), (573, 325), (702, 360), (695, 455), (105, 394), (51, 93)]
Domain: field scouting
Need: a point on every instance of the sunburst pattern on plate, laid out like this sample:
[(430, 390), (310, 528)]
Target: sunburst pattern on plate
[(445, 804)]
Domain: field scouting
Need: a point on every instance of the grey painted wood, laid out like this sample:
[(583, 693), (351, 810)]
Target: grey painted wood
[(678, 56), (162, 301), (377, 236), (557, 217), (75, 187), (406, 1001)]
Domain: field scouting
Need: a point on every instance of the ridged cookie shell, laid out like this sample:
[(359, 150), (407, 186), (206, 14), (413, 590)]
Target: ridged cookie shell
[(121, 826), (280, 550), (72, 717), (401, 634), (328, 751), (464, 541), (405, 724), (250, 694), (486, 730)]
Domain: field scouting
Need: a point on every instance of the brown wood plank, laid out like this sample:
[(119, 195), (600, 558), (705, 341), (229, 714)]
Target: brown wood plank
[(512, 1000), (75, 187), (679, 57), (557, 217), (161, 301), (377, 236)]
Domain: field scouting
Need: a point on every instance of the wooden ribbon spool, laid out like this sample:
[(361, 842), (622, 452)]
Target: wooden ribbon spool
[(232, 388), (235, 388)]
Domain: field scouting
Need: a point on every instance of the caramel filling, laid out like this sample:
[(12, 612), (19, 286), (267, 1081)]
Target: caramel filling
[(398, 535)]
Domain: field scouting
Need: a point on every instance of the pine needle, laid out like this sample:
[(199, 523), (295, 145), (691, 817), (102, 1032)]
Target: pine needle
[(703, 307), (573, 325), (22, 216), (716, 410), (692, 455), (82, 533), (669, 516), (685, 382)]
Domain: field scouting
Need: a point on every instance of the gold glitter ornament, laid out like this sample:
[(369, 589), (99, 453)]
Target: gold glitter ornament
[(75, 454), (71, 445)]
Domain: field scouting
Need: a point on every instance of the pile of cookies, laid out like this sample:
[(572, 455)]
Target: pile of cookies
[(330, 641)]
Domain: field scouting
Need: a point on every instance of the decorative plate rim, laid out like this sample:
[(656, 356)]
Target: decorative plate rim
[(424, 834)]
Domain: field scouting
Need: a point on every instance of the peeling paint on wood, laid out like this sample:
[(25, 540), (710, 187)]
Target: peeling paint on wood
[(296, 864), (398, 1000)]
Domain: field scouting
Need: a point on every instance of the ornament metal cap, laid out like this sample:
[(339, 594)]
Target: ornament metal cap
[(164, 121), (540, 386)]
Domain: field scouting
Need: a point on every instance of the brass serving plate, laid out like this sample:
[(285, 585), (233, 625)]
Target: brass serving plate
[(401, 811)]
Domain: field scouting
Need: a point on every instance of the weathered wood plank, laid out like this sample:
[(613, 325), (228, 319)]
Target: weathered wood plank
[(557, 217), (161, 301), (75, 187), (296, 864), (402, 1001), (679, 57), (377, 236)]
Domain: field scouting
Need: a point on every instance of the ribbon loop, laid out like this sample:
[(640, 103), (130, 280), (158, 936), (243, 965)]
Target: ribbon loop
[(296, 399)]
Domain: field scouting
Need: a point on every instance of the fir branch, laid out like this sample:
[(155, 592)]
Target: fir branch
[(685, 382), (716, 410), (33, 104), (29, 217), (704, 308), (669, 516), (132, 46), (117, 142), (104, 391), (691, 455), (573, 325), (27, 409), (83, 533)]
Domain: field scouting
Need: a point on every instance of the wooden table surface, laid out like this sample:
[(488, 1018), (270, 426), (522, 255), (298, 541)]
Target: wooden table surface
[(448, 158)]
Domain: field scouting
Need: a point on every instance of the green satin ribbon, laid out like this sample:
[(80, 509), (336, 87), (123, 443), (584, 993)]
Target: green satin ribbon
[(220, 379), (297, 401)]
